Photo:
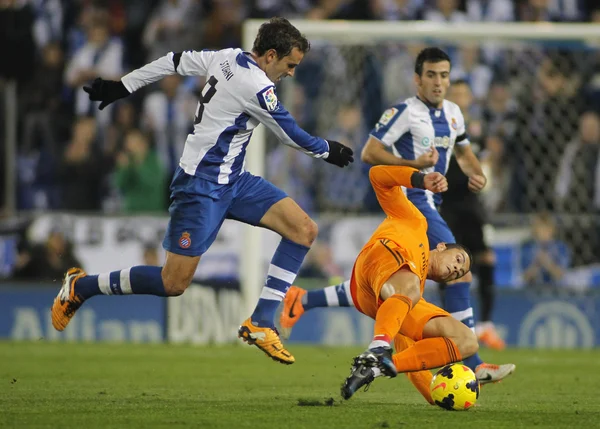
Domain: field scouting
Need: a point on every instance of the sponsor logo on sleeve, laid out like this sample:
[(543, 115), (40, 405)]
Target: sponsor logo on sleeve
[(388, 115), (270, 99)]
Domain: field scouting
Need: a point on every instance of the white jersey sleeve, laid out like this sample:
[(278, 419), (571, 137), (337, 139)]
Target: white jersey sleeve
[(265, 107), (188, 63), (393, 124)]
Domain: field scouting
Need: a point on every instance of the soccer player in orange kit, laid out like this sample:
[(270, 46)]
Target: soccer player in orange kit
[(387, 284)]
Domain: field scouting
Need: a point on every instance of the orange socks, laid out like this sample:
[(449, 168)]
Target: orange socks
[(426, 354), (390, 316)]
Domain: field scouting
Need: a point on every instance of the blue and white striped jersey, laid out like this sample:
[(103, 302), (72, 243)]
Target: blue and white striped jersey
[(412, 127), (237, 97)]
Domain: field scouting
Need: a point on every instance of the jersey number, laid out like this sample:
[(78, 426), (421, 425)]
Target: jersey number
[(212, 82)]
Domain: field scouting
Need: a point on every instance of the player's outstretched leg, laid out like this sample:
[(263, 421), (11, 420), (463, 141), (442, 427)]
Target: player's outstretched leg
[(78, 286), (297, 301)]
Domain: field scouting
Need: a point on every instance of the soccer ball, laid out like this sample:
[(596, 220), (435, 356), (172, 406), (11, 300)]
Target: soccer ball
[(455, 387)]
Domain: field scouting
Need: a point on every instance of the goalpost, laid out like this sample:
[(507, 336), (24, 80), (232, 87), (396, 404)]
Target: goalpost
[(343, 36)]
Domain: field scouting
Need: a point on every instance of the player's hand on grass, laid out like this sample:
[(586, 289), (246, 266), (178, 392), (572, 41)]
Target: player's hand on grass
[(106, 91), (428, 159), (435, 182), (339, 154), (477, 183)]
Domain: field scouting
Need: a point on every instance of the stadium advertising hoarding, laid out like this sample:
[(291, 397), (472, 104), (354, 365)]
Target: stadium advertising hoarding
[(25, 315), (211, 315)]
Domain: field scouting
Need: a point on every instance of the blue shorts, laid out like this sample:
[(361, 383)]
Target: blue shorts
[(199, 207), (438, 230)]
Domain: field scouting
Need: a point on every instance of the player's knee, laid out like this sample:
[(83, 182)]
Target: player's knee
[(307, 232), (467, 343)]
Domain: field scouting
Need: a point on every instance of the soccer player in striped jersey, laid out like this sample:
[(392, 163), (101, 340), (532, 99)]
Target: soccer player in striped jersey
[(421, 133), (211, 183)]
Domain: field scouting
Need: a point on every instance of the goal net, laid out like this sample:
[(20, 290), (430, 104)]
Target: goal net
[(533, 121)]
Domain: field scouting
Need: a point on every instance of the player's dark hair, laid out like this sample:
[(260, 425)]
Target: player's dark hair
[(280, 35), (465, 249), (430, 55)]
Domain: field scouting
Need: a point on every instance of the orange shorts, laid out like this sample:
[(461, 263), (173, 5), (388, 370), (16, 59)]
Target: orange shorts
[(373, 267)]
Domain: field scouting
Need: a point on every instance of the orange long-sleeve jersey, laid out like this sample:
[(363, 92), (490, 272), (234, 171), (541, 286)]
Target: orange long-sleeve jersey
[(405, 225)]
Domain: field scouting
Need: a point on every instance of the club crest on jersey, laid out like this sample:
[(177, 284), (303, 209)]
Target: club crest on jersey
[(388, 115), (270, 99), (185, 240), (453, 124)]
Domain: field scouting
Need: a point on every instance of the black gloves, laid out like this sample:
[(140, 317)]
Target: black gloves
[(106, 91), (339, 154)]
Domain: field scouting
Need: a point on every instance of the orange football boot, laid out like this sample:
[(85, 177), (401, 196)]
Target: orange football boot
[(266, 339), (490, 338), (292, 310), (67, 302)]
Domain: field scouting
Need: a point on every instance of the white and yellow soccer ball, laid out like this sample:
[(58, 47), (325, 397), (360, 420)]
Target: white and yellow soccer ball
[(455, 387)]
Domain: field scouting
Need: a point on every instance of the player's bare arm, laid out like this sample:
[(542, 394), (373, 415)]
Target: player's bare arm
[(375, 153), (403, 282), (470, 165)]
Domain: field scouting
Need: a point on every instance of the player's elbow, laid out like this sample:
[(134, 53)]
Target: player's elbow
[(366, 155)]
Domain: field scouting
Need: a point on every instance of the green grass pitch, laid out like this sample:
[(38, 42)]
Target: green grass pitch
[(102, 385)]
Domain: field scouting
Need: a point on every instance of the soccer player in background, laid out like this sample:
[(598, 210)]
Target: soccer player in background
[(464, 213), (387, 284), (211, 184), (421, 133)]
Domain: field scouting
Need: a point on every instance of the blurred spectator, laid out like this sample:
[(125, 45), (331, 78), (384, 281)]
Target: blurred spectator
[(41, 102), (140, 176), (102, 57), (500, 111), (48, 26), (577, 184), (399, 71), (550, 112), (168, 115), (490, 10), (544, 258), (498, 172), (291, 171), (82, 168), (223, 26), (445, 11), (345, 190), (125, 121), (174, 27), (538, 11), (48, 261), (470, 69)]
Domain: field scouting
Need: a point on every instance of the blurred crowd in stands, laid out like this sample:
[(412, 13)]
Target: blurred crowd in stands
[(533, 108)]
